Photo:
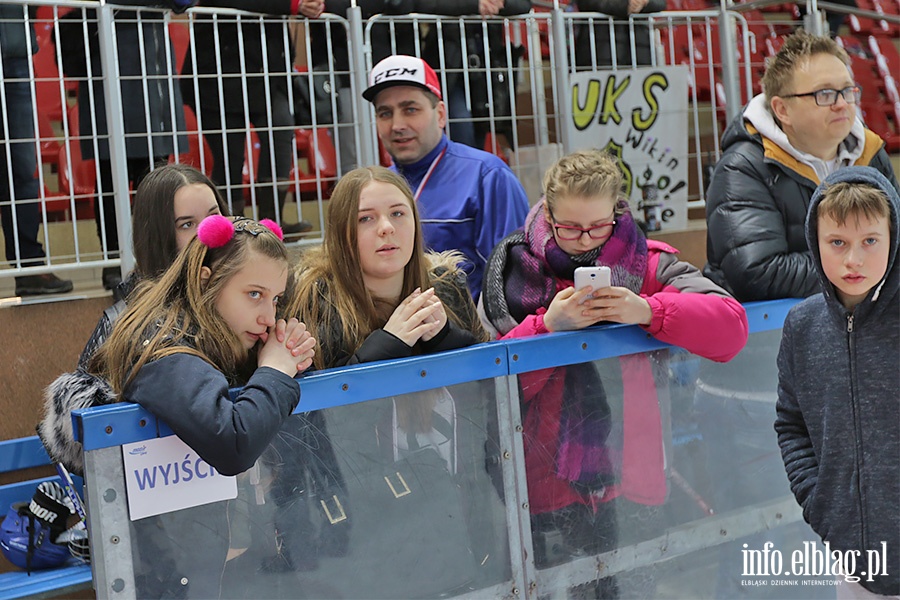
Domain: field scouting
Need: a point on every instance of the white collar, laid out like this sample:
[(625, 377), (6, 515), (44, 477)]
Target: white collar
[(848, 151)]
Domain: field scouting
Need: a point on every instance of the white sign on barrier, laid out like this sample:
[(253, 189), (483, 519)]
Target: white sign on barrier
[(641, 117), (164, 475)]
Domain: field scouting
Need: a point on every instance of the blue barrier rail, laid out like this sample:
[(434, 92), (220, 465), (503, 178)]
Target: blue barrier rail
[(688, 443), (118, 424)]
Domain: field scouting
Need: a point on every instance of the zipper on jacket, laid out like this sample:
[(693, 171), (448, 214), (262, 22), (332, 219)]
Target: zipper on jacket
[(854, 404)]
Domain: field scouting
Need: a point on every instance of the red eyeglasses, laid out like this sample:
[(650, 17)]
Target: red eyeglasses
[(571, 233)]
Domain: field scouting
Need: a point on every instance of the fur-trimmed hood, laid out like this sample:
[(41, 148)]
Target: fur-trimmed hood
[(449, 260), (70, 391)]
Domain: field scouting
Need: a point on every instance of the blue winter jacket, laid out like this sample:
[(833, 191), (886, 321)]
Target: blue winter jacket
[(471, 201), (838, 410), (191, 396)]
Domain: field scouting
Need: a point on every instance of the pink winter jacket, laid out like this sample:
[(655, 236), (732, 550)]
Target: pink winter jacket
[(689, 311), (706, 321)]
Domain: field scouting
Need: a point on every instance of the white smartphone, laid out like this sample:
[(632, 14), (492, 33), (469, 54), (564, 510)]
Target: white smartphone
[(596, 277)]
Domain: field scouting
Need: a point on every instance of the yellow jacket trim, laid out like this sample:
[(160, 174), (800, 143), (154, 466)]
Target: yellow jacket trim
[(873, 143)]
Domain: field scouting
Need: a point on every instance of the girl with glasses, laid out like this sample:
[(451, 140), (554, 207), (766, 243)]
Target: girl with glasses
[(573, 474), (583, 221)]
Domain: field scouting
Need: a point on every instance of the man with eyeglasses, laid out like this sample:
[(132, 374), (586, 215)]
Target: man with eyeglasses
[(787, 140)]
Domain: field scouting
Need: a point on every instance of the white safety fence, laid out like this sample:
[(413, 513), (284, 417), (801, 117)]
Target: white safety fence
[(270, 107)]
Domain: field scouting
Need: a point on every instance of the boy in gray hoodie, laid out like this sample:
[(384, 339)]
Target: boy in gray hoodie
[(838, 410)]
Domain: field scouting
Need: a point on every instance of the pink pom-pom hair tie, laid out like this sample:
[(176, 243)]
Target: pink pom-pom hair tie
[(215, 231), (273, 227)]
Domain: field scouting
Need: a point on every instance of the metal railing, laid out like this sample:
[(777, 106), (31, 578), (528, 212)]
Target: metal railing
[(95, 140), (196, 101)]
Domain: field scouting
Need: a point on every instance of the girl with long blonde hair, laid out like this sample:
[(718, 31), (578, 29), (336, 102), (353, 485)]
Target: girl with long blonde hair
[(185, 340), (371, 289)]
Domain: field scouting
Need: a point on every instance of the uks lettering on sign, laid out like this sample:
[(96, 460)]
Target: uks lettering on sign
[(391, 73), (639, 116), (165, 475)]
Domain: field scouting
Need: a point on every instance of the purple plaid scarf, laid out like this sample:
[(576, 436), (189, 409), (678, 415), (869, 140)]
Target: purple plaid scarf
[(520, 278), (525, 266)]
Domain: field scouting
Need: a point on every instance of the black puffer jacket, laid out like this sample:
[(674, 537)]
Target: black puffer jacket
[(755, 210)]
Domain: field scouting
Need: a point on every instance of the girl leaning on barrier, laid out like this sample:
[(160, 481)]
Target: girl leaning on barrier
[(528, 290), (374, 294), (168, 207), (209, 314), (185, 339)]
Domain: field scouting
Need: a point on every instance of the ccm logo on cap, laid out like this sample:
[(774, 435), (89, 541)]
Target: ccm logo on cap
[(391, 73)]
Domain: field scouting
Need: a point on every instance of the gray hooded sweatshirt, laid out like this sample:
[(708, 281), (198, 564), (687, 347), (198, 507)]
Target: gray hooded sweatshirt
[(838, 411)]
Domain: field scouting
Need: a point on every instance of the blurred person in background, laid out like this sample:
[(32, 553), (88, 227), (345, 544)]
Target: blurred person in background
[(19, 189), (599, 50), (257, 56), (152, 105)]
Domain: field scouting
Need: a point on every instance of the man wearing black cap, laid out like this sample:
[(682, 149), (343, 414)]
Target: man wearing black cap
[(468, 199)]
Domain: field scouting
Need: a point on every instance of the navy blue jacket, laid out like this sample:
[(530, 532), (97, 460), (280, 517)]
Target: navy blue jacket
[(191, 397), (838, 415)]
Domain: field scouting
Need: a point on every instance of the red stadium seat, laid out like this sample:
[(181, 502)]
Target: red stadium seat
[(47, 138), (75, 175), (882, 122), (890, 30), (676, 42), (316, 150), (888, 51), (492, 146), (181, 39), (864, 26), (684, 45), (865, 72), (49, 88)]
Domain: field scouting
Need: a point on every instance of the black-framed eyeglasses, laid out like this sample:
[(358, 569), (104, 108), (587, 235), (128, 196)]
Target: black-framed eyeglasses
[(828, 97), (571, 233)]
